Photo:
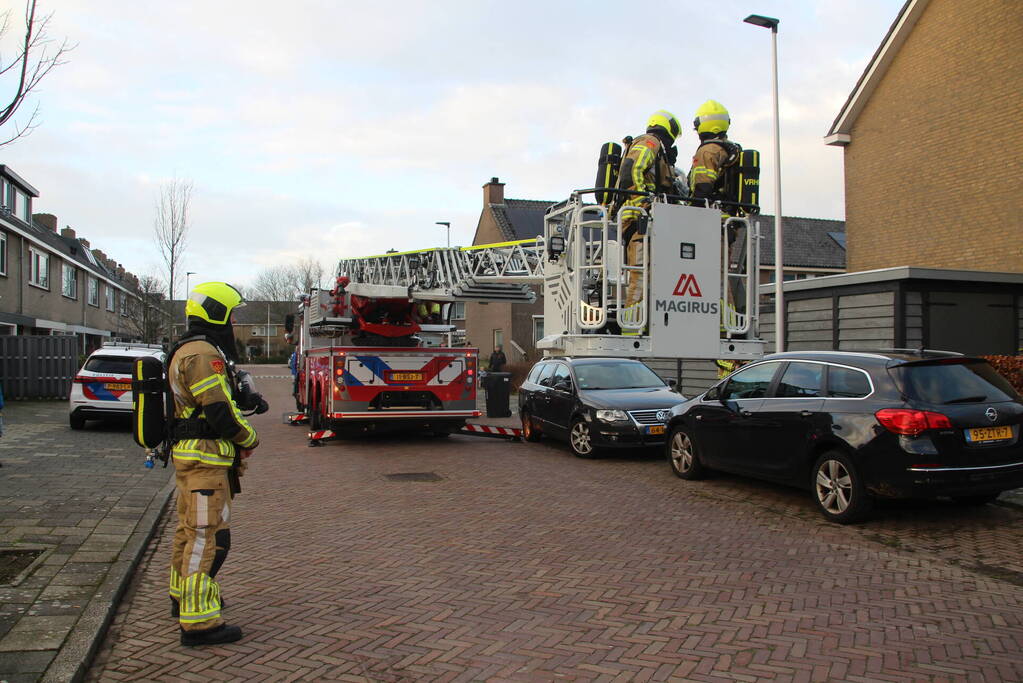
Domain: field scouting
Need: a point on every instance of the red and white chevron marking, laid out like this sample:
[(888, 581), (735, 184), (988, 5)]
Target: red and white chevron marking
[(487, 430), (320, 435)]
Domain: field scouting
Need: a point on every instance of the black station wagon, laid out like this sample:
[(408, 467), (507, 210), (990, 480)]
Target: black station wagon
[(853, 427), (595, 403)]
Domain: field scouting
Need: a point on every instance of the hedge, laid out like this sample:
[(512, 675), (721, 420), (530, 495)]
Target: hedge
[(1009, 367)]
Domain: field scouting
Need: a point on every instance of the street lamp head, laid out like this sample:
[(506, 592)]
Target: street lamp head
[(446, 224), (765, 22)]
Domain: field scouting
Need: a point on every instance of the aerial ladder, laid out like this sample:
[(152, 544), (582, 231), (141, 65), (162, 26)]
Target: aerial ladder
[(697, 278)]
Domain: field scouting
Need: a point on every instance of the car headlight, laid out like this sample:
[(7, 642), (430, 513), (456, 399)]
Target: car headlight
[(612, 416)]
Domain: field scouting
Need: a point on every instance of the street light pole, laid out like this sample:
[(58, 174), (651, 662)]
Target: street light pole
[(779, 263), (447, 225), (267, 330), (187, 292)]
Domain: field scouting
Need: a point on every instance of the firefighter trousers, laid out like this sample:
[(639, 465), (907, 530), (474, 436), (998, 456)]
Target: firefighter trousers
[(201, 541), (633, 231)]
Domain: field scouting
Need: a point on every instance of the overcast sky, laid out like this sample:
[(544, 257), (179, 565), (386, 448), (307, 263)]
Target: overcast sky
[(320, 128)]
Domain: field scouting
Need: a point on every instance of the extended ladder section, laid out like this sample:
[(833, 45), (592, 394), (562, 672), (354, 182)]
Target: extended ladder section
[(490, 272)]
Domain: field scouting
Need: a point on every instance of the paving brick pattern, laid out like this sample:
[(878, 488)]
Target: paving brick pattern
[(524, 563), (81, 496)]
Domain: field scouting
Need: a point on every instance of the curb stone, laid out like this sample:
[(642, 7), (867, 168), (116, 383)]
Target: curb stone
[(75, 655)]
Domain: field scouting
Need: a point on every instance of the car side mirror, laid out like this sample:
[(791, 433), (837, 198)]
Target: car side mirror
[(714, 393), (563, 385), (673, 384)]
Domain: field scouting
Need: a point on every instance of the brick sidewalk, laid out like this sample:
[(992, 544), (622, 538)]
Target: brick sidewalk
[(525, 563), (87, 501)]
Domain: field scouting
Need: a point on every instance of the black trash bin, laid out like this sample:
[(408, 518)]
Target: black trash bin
[(497, 386)]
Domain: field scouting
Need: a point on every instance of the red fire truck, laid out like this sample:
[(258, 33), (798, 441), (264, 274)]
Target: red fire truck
[(371, 364)]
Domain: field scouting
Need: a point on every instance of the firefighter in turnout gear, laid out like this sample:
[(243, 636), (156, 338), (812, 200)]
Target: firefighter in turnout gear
[(647, 166), (210, 439), (714, 154)]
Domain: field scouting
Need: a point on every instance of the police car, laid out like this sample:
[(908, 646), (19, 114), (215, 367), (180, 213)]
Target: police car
[(102, 388)]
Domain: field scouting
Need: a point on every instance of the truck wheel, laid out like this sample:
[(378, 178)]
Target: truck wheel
[(315, 416), (529, 430)]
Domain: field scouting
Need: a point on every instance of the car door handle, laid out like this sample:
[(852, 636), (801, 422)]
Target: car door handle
[(806, 413), (699, 417), (746, 413)]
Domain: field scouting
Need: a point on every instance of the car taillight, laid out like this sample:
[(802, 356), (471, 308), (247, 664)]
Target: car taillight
[(911, 422)]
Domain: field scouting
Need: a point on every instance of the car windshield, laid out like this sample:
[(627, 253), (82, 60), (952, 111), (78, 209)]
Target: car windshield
[(111, 365), (616, 375), (944, 382)]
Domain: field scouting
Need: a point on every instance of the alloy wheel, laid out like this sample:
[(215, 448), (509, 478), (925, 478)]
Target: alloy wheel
[(834, 486), (580, 438), (682, 452)]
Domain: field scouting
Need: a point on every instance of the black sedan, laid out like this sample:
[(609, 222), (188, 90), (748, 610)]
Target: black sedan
[(595, 403), (853, 427)]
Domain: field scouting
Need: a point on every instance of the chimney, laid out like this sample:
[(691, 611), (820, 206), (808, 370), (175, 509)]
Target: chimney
[(47, 220), (493, 192), (100, 256), (69, 233), (85, 242)]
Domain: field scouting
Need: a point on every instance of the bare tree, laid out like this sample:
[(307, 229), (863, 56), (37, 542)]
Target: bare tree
[(34, 61), (146, 317), (309, 272), (274, 283), (173, 219)]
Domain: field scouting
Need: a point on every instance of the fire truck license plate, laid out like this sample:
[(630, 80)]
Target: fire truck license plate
[(112, 386), (989, 433), (406, 377)]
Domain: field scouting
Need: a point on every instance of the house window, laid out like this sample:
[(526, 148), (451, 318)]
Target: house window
[(458, 310), (537, 328), (39, 268), (6, 329), (111, 297), (68, 281), (93, 292), (124, 304), (3, 253), (21, 209), (261, 331), (498, 338)]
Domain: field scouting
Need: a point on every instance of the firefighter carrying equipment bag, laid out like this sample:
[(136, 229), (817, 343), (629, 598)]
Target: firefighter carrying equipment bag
[(608, 163), (148, 402)]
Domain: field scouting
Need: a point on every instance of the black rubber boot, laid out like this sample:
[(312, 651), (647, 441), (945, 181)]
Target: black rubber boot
[(211, 636), (176, 607)]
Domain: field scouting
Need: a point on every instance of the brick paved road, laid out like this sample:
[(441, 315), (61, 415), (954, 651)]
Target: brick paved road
[(525, 563)]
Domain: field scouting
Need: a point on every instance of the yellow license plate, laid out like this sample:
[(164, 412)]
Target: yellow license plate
[(406, 377), (989, 433), (111, 386), (656, 429)]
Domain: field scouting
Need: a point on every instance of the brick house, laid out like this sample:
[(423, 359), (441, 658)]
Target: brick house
[(932, 141), (258, 326), (55, 283), (813, 247)]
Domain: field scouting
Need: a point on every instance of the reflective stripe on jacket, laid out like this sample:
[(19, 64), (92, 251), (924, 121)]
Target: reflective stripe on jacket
[(198, 378)]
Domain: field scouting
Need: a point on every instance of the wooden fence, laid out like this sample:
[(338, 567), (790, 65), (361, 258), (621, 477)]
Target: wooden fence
[(37, 367)]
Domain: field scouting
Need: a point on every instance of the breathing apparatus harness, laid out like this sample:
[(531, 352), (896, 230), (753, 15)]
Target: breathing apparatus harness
[(158, 430)]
